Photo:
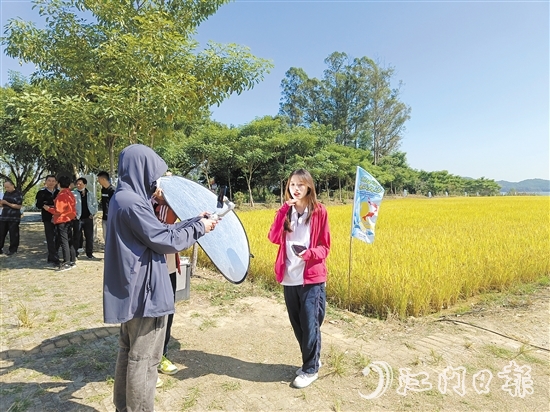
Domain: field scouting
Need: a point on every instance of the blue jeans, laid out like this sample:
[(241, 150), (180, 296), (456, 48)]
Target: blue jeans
[(140, 349), (306, 310)]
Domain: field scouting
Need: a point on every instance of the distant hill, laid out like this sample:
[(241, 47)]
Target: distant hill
[(529, 185)]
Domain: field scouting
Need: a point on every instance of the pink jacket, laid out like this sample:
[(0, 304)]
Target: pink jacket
[(316, 269)]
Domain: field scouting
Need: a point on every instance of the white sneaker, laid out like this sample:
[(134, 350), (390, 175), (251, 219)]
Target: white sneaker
[(159, 383), (299, 371), (304, 379)]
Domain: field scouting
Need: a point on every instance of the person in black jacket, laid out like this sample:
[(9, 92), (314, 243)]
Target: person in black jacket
[(10, 217), (107, 192), (46, 196)]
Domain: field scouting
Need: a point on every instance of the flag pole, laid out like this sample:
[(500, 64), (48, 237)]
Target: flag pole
[(349, 273), (351, 237)]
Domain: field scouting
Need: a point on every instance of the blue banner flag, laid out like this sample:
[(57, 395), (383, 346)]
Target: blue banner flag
[(366, 203)]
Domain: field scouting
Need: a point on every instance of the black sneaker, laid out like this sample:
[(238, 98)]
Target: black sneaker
[(11, 253), (90, 256), (63, 267)]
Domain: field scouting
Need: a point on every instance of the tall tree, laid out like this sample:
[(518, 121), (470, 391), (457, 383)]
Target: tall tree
[(21, 160), (128, 74), (354, 97), (387, 114)]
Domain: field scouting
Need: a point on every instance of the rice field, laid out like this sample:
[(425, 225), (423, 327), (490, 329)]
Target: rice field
[(428, 253)]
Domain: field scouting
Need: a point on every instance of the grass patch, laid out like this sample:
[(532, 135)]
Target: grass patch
[(207, 323), (70, 350), (337, 361), (81, 306), (220, 293), (190, 399), (499, 352), (216, 406), (362, 361), (524, 353), (97, 398), (52, 316), (231, 386), (435, 358), (168, 383), (25, 316), (20, 405)]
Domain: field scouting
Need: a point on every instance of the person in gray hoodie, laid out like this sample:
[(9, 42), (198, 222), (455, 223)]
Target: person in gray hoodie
[(137, 292)]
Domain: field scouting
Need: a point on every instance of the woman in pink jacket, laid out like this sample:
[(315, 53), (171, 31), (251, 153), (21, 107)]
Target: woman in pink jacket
[(302, 232)]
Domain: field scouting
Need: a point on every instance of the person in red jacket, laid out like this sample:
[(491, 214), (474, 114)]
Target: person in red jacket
[(302, 232), (64, 212)]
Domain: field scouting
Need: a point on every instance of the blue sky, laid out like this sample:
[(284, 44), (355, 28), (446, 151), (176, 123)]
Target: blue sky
[(475, 73)]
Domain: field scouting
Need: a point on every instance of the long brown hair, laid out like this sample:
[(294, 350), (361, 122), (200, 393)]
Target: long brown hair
[(310, 198)]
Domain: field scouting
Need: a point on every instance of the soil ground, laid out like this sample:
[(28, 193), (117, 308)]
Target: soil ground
[(235, 349)]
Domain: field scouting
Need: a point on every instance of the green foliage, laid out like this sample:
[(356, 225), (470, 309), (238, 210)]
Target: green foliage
[(354, 98), (128, 75), (21, 159), (258, 157)]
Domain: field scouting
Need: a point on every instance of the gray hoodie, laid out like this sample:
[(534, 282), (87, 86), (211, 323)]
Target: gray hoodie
[(135, 278)]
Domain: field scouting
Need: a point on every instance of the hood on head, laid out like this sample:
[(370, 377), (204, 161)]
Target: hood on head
[(139, 167)]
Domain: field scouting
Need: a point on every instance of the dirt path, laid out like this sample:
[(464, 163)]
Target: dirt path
[(236, 350)]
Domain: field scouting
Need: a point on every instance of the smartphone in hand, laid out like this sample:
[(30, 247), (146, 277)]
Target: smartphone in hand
[(297, 249)]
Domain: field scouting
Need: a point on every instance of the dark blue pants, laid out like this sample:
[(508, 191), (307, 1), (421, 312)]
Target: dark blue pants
[(306, 311)]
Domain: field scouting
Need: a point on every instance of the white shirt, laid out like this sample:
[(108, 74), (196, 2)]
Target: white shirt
[(294, 272)]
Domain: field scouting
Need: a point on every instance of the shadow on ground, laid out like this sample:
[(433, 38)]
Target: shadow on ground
[(73, 370)]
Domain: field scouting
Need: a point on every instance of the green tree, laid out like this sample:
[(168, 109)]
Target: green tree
[(20, 158), (128, 74), (354, 97), (252, 149), (387, 114)]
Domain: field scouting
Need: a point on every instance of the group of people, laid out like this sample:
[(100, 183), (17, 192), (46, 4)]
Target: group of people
[(142, 245), (67, 212), (143, 238)]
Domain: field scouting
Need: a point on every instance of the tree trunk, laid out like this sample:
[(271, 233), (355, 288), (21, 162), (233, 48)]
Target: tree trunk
[(111, 145), (230, 194), (194, 259), (248, 179)]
